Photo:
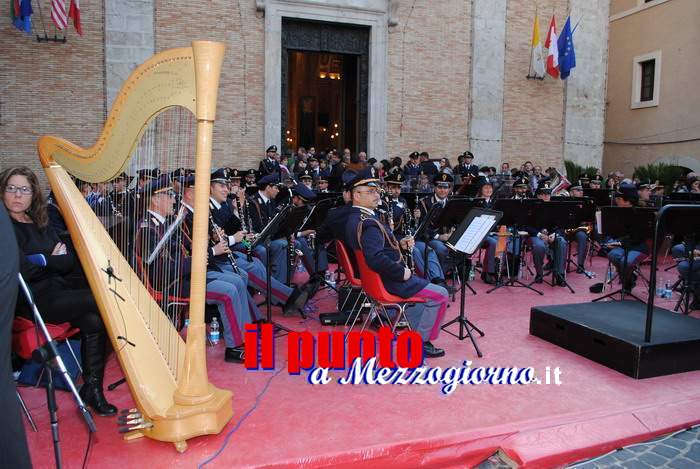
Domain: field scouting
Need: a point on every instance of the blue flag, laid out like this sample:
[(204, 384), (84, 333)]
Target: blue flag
[(567, 56)]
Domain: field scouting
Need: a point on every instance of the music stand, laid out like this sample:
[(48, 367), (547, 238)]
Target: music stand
[(453, 215), (681, 220), (313, 220), (627, 224), (264, 238), (421, 232), (601, 197), (516, 213), (465, 240)]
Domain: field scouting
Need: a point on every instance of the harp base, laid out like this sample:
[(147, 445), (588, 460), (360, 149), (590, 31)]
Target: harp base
[(184, 422)]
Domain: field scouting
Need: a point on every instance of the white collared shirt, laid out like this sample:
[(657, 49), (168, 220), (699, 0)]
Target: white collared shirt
[(159, 217)]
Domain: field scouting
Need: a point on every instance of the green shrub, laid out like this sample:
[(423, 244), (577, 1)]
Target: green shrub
[(575, 171), (666, 174)]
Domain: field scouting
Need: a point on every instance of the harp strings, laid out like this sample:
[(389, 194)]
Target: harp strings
[(137, 215)]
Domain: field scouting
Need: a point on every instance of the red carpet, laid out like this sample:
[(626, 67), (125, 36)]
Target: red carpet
[(594, 410)]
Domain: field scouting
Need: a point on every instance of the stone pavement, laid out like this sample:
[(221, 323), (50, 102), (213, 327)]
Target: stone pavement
[(680, 451)]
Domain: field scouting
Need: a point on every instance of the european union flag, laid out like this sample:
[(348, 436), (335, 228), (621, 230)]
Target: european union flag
[(567, 56)]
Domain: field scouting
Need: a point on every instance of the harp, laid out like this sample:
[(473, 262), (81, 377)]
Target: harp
[(166, 374)]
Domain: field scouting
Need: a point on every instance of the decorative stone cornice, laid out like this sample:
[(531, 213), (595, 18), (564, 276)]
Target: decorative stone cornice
[(392, 9)]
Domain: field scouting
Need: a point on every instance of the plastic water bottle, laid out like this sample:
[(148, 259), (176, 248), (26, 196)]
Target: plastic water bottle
[(330, 277), (668, 292), (660, 291), (214, 333), (472, 273)]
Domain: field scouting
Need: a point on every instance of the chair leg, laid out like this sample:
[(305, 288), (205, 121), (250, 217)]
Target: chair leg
[(26, 411)]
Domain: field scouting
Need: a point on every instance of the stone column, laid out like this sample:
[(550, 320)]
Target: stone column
[(129, 41), (488, 54), (584, 110)]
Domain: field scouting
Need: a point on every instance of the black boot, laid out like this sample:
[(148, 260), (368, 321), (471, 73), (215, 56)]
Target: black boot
[(92, 351)]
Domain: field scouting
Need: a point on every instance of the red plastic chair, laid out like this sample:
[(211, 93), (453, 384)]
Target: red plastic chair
[(352, 280), (373, 286), (24, 336)]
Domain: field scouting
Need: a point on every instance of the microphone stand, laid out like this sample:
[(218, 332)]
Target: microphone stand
[(51, 359)]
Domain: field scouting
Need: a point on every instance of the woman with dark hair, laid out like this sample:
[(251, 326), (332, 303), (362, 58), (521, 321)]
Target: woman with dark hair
[(45, 263), (445, 166)]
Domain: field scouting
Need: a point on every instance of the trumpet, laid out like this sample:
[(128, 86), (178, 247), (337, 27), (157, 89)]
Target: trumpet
[(219, 237)]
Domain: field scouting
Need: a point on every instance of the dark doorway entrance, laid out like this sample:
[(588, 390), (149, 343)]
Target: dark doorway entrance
[(322, 100), (324, 85)]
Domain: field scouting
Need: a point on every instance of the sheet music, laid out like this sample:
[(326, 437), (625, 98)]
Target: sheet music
[(475, 233)]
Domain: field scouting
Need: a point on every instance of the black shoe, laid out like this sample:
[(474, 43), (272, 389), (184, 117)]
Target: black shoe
[(538, 279), (488, 278), (92, 351), (235, 354), (559, 281), (431, 351), (296, 302)]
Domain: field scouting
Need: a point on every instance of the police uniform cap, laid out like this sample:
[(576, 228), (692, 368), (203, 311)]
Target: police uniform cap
[(268, 180), (187, 181), (124, 176), (576, 188), (156, 186), (521, 182), (543, 189), (443, 180), (251, 172), (220, 175), (177, 173), (468, 154), (365, 177), (306, 174), (234, 174), (627, 192), (396, 177), (303, 192), (148, 173), (272, 148), (415, 154)]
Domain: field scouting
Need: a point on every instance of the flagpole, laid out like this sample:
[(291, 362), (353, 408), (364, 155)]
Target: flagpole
[(577, 23), (529, 68)]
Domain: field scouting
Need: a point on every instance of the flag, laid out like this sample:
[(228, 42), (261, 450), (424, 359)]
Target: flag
[(537, 57), (565, 45), (74, 12), (58, 14), (22, 15), (552, 51)]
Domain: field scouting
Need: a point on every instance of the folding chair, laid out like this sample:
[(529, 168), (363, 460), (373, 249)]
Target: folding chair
[(373, 286)]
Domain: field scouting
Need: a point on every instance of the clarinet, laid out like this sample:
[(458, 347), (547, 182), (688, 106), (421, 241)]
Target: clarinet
[(217, 231), (244, 226), (409, 230), (249, 245)]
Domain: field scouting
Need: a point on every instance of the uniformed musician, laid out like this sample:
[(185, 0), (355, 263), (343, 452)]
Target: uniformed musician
[(638, 249), (545, 244), (382, 253), (226, 289), (403, 223), (291, 299), (443, 188)]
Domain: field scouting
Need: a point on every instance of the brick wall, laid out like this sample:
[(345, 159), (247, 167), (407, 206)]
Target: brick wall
[(532, 109), (50, 88), (428, 81)]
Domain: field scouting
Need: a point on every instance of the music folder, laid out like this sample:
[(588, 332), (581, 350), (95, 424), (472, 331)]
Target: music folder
[(471, 232)]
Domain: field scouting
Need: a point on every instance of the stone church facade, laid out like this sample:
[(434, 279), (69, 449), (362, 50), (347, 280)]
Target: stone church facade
[(443, 76)]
